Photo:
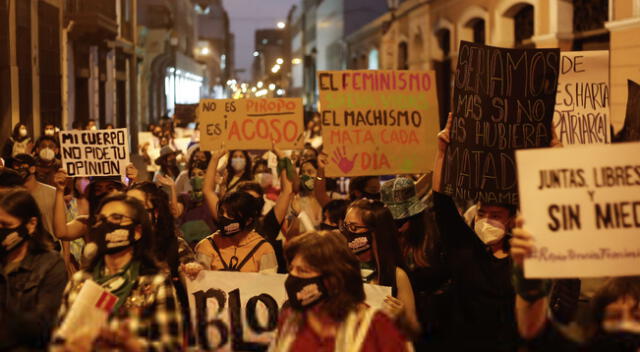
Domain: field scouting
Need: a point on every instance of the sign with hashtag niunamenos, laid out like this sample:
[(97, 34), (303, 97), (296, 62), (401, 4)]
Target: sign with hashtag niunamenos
[(378, 122)]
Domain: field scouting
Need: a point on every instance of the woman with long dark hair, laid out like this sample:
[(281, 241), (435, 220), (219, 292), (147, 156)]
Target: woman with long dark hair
[(146, 315), (326, 301), (238, 169), (32, 276), (373, 237)]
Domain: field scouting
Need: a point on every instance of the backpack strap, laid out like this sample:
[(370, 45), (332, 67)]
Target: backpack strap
[(250, 254), (215, 248)]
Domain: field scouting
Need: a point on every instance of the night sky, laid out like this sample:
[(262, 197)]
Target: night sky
[(248, 15)]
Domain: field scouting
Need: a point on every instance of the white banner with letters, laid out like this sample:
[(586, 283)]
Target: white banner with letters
[(582, 205), (234, 311)]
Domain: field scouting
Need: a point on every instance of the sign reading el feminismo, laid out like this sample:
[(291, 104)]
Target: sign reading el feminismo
[(378, 122), (503, 100), (582, 206)]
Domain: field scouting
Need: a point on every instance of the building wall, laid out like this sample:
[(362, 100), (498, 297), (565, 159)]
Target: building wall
[(553, 27)]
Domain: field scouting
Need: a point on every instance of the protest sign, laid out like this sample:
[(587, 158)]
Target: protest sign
[(582, 206), (185, 113), (95, 153), (235, 311), (631, 130), (89, 312), (503, 100), (378, 122), (582, 103), (247, 124)]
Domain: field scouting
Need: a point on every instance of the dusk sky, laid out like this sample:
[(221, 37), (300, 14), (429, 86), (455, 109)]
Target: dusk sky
[(248, 15)]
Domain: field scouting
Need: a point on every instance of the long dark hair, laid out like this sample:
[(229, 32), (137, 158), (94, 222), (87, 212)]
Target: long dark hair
[(20, 204), (16, 132), (328, 253), (246, 173), (420, 239), (143, 249), (379, 220), (163, 223)]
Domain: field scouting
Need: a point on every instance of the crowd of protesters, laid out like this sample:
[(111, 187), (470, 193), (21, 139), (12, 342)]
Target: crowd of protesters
[(456, 276)]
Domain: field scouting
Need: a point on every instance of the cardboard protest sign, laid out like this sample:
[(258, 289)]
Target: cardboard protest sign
[(378, 122), (631, 130), (89, 311), (503, 100), (234, 311), (582, 104), (582, 206), (95, 153), (246, 124), (185, 113)]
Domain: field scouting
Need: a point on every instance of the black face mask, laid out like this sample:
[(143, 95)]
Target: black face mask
[(24, 173), (110, 238), (304, 293), (372, 196), (327, 227), (21, 232), (358, 242), (618, 341), (229, 227)]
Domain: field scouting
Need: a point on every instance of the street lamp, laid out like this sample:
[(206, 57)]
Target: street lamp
[(256, 53), (279, 61), (275, 68), (281, 25)]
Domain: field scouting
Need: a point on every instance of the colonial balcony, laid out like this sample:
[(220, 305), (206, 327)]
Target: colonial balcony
[(94, 20)]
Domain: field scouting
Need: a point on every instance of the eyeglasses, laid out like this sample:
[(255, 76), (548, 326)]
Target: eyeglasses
[(354, 227), (112, 218)]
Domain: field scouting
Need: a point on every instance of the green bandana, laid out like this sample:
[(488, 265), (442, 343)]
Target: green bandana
[(121, 283)]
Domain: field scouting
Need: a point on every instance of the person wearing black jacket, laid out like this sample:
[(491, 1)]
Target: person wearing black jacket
[(32, 276), (483, 298)]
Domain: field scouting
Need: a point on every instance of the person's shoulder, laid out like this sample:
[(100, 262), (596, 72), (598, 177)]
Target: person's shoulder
[(205, 243), (45, 188)]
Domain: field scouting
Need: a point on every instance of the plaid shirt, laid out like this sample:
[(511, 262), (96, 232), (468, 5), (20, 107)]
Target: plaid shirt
[(151, 311)]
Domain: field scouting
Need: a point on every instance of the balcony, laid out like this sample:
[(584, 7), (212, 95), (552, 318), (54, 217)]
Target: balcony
[(94, 20)]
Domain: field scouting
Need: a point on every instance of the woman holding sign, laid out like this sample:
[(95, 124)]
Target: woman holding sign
[(146, 314), (372, 235), (326, 301)]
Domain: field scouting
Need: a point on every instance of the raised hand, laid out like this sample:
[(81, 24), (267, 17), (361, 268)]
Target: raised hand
[(323, 161), (393, 307), (216, 155), (521, 242), (60, 179), (340, 159), (131, 172), (444, 136), (166, 181)]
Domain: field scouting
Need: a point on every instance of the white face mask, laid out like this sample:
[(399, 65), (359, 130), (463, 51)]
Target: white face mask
[(23, 132), (489, 231), (47, 154), (264, 179), (93, 128), (238, 164), (621, 326), (49, 132)]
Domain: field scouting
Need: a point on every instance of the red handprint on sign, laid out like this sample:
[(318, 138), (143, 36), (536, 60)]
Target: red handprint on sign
[(340, 159)]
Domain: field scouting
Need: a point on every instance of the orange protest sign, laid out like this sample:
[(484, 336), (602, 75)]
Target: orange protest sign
[(378, 122), (251, 123)]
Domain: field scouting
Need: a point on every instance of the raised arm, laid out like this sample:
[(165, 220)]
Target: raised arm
[(320, 185), (443, 143), (63, 230), (176, 207), (209, 186), (532, 304)]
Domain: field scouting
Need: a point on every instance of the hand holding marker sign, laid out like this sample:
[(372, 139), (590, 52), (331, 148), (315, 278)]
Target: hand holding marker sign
[(583, 207), (503, 100), (378, 122), (251, 123), (95, 153)]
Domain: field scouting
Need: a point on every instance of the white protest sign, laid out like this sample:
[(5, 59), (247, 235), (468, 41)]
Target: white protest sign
[(234, 311), (582, 206), (89, 311), (582, 113), (95, 153)]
